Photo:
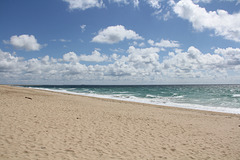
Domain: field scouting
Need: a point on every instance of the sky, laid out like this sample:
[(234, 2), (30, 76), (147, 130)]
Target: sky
[(119, 42)]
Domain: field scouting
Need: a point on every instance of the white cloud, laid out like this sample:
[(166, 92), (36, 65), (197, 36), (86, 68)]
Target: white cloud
[(8, 62), (237, 1), (193, 64), (223, 23), (60, 40), (151, 42), (117, 50), (96, 56), (136, 3), (120, 1), (134, 43), (76, 70), (139, 65), (203, 1), (70, 57), (231, 56), (115, 56), (143, 55), (83, 27), (162, 9), (115, 34), (126, 2), (154, 3), (227, 51), (141, 44), (84, 4), (64, 40), (26, 42), (167, 16), (164, 43)]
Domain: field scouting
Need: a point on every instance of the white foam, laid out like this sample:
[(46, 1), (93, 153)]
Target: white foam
[(163, 101), (150, 96), (179, 96), (236, 96)]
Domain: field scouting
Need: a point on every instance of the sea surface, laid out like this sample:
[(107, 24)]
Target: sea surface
[(219, 98)]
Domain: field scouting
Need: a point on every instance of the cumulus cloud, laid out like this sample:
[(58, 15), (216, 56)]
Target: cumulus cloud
[(223, 23), (26, 42), (231, 55), (164, 43), (70, 57), (139, 65), (115, 34), (143, 55), (8, 62), (193, 64), (96, 56), (84, 4)]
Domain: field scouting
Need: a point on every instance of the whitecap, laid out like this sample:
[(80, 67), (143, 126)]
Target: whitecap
[(150, 96), (236, 96)]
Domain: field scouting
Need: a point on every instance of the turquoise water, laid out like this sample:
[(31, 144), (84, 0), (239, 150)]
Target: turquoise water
[(221, 98)]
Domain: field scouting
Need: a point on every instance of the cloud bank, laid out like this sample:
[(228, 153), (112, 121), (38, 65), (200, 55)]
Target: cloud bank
[(140, 65)]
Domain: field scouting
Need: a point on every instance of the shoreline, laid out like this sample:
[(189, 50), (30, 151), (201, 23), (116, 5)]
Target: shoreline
[(174, 105), (37, 124)]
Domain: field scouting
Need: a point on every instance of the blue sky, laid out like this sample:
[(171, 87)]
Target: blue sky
[(119, 41)]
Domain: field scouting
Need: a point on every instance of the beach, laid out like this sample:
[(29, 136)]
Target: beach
[(37, 124)]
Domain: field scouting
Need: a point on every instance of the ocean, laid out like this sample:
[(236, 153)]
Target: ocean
[(218, 98)]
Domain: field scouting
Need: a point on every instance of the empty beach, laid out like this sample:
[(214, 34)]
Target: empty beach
[(37, 124)]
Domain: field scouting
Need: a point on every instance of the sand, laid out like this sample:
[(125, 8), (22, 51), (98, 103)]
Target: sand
[(36, 124)]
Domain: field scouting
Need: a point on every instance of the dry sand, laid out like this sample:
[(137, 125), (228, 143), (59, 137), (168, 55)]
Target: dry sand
[(44, 125)]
